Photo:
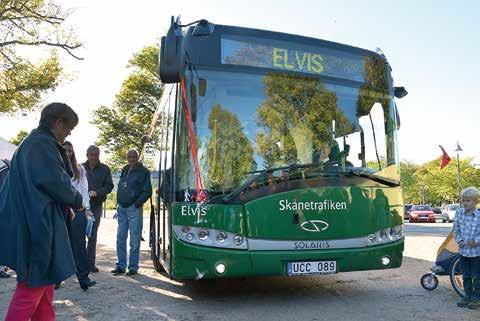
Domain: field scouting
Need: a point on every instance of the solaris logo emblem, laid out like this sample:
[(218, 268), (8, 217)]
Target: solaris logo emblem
[(314, 226)]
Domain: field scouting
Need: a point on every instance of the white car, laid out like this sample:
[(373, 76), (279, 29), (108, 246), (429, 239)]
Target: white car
[(448, 214)]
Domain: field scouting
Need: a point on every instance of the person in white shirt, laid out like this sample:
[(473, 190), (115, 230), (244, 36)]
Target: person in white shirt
[(79, 222)]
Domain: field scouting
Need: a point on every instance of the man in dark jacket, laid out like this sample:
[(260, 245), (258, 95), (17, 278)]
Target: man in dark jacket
[(100, 184), (34, 203), (134, 189)]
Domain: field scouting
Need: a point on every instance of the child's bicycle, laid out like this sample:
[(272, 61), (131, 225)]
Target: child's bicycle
[(446, 263)]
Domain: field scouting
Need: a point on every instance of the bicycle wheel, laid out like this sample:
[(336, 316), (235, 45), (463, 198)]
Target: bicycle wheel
[(456, 278)]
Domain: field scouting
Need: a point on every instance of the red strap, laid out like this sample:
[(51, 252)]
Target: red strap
[(201, 197)]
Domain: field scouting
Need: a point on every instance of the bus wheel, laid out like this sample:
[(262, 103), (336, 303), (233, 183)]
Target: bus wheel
[(429, 281)]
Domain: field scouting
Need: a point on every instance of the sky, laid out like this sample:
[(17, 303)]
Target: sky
[(431, 46)]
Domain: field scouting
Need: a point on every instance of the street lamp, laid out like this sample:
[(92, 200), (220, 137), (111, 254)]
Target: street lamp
[(458, 150)]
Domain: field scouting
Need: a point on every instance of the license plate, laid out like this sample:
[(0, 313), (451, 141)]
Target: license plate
[(311, 267)]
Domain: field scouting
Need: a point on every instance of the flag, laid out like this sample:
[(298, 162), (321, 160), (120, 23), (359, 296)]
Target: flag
[(445, 158)]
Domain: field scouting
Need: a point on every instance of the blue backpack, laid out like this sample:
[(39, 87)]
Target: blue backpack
[(4, 167)]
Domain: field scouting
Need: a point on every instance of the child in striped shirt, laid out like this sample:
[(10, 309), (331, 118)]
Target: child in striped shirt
[(466, 230)]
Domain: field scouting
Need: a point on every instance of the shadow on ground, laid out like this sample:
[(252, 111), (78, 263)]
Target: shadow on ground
[(381, 295)]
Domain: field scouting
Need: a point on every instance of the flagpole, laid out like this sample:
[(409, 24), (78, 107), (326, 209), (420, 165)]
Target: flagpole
[(458, 150)]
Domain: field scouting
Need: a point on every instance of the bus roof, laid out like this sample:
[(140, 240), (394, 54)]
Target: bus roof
[(246, 48), (244, 31)]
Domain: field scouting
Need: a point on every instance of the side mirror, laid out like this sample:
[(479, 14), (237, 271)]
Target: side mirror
[(202, 87), (171, 63), (397, 116), (400, 92), (203, 28)]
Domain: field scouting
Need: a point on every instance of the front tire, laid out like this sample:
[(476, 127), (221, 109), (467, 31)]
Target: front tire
[(456, 278), (429, 281)]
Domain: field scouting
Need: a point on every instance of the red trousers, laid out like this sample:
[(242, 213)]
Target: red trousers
[(31, 303)]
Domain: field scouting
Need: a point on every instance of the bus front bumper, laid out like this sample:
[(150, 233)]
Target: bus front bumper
[(197, 262)]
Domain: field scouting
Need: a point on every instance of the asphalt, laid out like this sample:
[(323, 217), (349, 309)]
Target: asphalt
[(427, 229)]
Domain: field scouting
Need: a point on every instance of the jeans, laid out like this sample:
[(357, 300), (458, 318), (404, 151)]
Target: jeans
[(130, 218), (79, 248), (92, 241), (471, 276)]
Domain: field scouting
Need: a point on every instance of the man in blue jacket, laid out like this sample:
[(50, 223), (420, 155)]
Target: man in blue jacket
[(34, 203), (134, 189)]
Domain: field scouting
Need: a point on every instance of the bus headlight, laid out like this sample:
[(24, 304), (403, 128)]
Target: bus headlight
[(386, 260), (393, 233), (203, 234), (382, 235), (220, 268), (237, 240), (400, 231), (221, 237), (206, 236)]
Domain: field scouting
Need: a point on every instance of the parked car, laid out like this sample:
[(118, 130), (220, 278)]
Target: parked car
[(421, 213), (406, 210), (448, 214), (438, 213)]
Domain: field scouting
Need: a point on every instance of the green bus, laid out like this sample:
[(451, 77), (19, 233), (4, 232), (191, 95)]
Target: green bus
[(278, 156)]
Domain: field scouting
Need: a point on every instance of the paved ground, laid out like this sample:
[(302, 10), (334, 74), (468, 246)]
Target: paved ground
[(374, 295)]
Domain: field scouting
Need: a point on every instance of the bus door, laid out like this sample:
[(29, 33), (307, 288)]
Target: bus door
[(166, 181)]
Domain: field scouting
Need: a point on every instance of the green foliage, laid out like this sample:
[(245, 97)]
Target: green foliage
[(297, 113), (111, 202), (19, 138), (409, 182), (230, 154), (33, 24), (123, 124), (439, 185)]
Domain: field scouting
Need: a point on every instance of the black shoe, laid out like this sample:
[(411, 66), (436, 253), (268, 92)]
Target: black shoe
[(94, 270), (474, 303), (131, 273), (464, 302), (57, 285), (87, 284), (117, 271)]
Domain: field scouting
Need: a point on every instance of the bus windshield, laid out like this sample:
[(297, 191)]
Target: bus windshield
[(248, 122)]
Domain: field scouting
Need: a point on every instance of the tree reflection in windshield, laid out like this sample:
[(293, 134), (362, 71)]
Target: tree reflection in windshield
[(250, 122), (296, 120), (229, 153)]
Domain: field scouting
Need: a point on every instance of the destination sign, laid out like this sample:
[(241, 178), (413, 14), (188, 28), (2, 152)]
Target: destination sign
[(282, 55)]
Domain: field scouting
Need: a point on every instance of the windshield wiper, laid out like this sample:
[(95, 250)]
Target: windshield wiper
[(261, 176), (380, 179)]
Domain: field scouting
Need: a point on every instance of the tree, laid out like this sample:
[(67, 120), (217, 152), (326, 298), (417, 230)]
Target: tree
[(123, 124), (409, 182), (441, 185), (19, 138), (26, 24), (229, 153), (437, 185), (296, 118)]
